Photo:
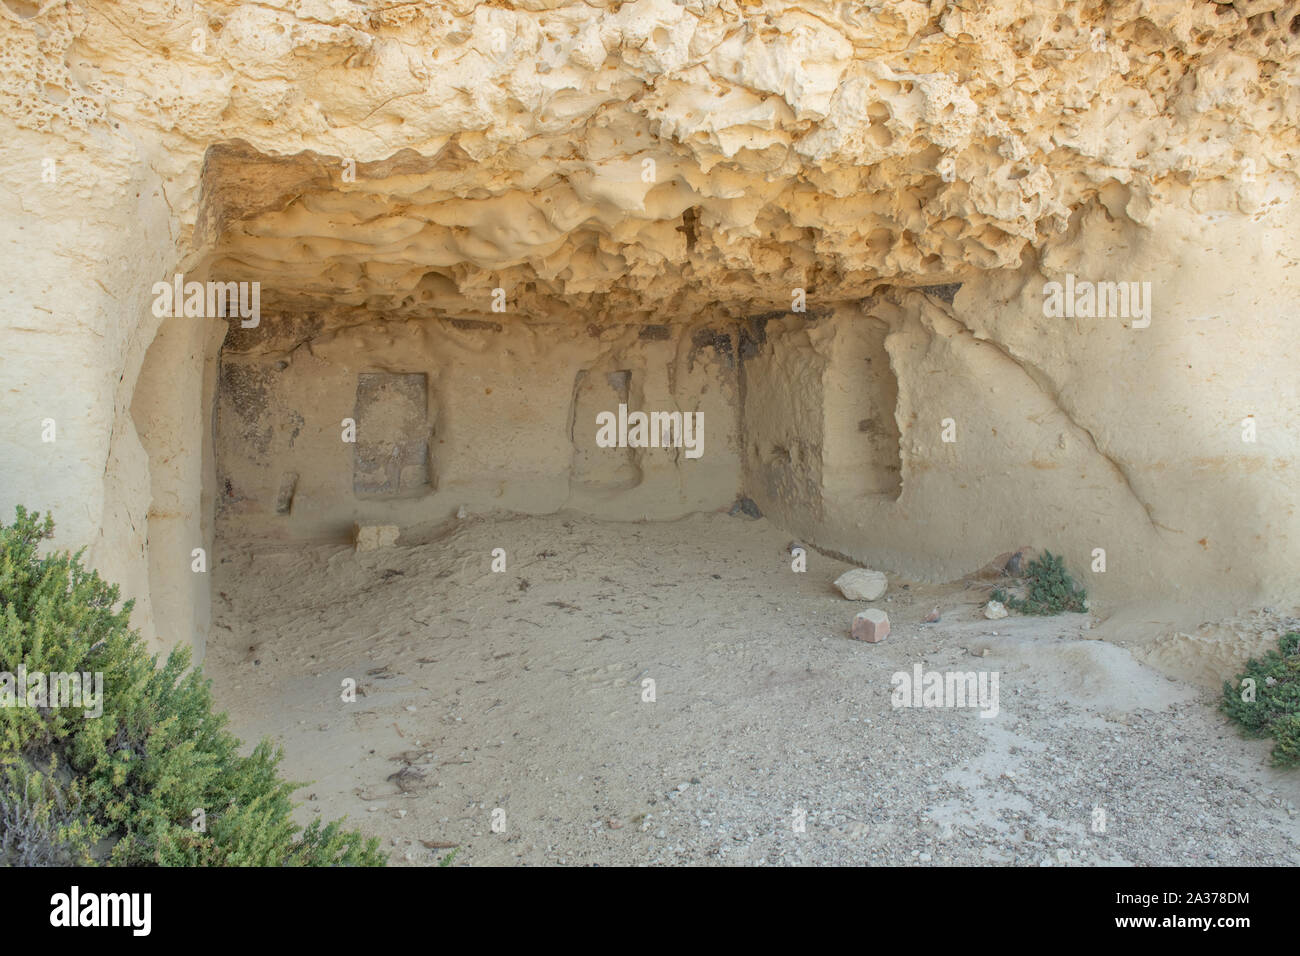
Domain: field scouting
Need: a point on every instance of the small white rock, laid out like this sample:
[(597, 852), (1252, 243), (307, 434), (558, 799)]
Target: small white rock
[(995, 610), (372, 537), (862, 584)]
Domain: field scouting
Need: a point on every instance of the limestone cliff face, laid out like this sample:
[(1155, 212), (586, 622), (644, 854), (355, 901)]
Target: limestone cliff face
[(583, 148), (915, 171)]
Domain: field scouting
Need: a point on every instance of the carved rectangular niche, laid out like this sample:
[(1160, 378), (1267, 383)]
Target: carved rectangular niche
[(394, 432)]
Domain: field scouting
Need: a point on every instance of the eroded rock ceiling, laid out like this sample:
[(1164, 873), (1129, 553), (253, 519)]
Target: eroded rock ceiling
[(656, 158), (660, 155)]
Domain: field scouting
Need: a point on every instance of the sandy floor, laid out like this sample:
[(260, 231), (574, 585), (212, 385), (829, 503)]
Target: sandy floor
[(519, 695)]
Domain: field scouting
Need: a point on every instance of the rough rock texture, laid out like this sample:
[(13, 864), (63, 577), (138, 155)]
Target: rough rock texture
[(913, 172), (995, 610), (871, 625), (373, 537), (861, 584)]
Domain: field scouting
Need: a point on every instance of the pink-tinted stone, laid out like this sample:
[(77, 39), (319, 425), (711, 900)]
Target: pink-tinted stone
[(871, 625)]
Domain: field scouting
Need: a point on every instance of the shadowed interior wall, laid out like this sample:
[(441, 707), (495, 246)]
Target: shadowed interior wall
[(507, 422)]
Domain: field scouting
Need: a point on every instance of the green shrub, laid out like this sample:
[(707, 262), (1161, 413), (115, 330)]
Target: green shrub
[(1051, 589), (40, 823), (157, 753), (1269, 706)]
